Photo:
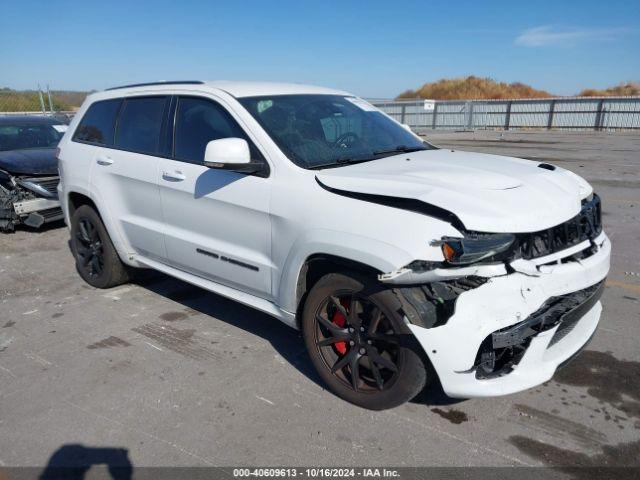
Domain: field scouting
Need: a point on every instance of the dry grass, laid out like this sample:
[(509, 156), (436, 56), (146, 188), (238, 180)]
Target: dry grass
[(476, 88), (624, 89), (29, 100), (473, 88)]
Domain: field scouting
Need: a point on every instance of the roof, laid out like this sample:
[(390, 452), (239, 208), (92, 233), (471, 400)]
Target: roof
[(177, 82), (29, 120), (256, 89), (236, 89)]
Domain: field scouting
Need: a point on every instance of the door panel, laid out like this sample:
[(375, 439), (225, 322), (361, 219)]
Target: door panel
[(217, 222), (217, 225), (127, 174), (129, 188)]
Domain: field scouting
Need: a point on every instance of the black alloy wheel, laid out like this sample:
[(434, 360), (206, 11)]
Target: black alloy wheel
[(357, 342), (357, 339), (89, 248)]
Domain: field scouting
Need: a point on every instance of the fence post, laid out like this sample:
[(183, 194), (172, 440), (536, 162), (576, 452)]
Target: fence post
[(598, 125), (552, 109), (435, 115), (403, 112), (507, 116), (470, 120), (41, 99), (50, 102)]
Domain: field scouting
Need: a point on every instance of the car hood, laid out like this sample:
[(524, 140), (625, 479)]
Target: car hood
[(488, 193), (37, 161)]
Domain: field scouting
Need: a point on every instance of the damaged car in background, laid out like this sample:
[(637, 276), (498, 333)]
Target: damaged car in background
[(401, 262), (29, 171)]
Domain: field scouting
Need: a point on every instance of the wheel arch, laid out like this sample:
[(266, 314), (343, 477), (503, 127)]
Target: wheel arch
[(76, 198), (317, 266), (320, 252)]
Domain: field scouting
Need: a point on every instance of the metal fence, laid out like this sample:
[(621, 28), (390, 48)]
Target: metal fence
[(39, 102), (574, 113), (568, 113)]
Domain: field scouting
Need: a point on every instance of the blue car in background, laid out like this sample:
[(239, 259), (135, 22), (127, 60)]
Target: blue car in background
[(29, 170)]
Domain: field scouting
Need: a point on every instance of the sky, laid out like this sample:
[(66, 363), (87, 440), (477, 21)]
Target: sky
[(375, 49)]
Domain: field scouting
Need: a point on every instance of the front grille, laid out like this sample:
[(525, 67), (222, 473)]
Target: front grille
[(49, 214), (50, 184), (565, 310), (503, 349), (584, 301), (564, 329), (584, 226)]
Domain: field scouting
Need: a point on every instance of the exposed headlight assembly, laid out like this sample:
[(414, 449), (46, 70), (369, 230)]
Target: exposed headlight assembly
[(472, 249)]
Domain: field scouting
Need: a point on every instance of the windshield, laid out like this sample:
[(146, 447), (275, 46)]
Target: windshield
[(20, 137), (323, 131)]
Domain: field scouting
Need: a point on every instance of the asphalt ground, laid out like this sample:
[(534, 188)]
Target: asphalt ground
[(165, 374)]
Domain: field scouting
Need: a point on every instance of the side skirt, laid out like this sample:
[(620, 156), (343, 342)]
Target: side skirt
[(242, 297)]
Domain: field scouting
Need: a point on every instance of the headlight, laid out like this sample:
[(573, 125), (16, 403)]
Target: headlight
[(466, 250)]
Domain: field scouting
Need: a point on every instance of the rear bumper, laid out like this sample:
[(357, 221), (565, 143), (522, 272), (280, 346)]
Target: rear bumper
[(510, 300)]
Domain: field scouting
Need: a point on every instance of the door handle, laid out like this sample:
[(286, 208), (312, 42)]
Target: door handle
[(104, 161), (173, 176)]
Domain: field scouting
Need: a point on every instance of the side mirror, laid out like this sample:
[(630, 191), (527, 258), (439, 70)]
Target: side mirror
[(225, 151), (231, 154)]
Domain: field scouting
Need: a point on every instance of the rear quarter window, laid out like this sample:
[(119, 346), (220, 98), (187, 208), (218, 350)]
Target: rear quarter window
[(98, 124)]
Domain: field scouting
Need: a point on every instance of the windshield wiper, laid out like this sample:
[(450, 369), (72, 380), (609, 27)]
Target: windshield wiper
[(339, 162), (399, 149), (375, 155)]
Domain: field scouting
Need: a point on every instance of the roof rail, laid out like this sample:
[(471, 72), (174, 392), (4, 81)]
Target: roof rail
[(178, 82)]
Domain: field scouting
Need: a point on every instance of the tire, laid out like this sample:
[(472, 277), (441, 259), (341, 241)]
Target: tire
[(372, 336), (97, 261)]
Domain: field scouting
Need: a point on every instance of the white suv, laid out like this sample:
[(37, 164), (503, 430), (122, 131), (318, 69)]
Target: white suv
[(399, 261)]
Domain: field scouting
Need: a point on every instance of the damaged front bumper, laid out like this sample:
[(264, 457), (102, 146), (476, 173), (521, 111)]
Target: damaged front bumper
[(32, 201), (510, 329)]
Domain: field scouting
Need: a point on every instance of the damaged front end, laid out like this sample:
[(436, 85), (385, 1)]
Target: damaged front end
[(432, 304), (479, 254), (501, 312), (29, 200)]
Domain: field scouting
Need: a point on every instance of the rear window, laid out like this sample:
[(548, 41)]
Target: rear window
[(140, 124), (98, 124)]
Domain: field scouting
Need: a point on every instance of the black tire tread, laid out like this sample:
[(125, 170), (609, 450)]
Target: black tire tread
[(115, 272)]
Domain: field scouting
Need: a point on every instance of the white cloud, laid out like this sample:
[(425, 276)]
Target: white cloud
[(548, 36)]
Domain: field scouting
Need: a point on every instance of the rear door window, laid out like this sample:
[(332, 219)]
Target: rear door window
[(98, 124), (140, 124)]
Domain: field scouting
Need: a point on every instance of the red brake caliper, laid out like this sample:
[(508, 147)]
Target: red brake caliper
[(339, 320)]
